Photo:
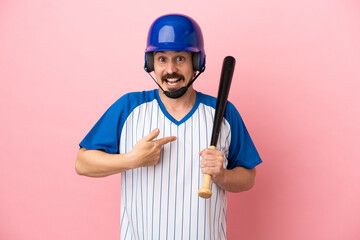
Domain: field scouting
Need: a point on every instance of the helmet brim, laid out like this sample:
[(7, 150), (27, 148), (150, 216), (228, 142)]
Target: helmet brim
[(172, 47)]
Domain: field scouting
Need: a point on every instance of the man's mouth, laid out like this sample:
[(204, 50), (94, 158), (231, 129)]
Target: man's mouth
[(172, 80)]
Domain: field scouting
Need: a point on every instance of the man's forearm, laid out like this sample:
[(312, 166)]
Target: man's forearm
[(146, 152), (96, 163), (238, 179)]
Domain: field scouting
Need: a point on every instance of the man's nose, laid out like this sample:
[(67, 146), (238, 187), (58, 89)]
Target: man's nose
[(171, 67)]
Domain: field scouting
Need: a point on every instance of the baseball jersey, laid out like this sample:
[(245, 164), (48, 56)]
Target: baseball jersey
[(161, 201)]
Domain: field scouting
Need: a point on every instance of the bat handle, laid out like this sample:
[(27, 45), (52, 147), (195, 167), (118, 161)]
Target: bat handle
[(205, 191)]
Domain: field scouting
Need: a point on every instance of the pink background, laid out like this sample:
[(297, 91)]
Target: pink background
[(296, 84)]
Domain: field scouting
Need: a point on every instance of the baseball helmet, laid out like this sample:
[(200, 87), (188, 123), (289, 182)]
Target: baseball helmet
[(175, 32)]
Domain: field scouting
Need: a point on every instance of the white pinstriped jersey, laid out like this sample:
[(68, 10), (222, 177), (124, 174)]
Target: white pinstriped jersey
[(161, 201)]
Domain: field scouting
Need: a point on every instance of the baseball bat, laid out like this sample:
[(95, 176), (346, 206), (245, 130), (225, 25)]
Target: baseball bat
[(223, 93)]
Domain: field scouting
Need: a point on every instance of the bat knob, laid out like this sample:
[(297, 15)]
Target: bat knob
[(205, 193)]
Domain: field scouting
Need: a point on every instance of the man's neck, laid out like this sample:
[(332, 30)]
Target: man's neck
[(179, 107)]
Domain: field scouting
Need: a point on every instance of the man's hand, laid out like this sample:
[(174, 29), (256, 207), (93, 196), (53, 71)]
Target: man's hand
[(237, 179), (211, 163), (146, 152)]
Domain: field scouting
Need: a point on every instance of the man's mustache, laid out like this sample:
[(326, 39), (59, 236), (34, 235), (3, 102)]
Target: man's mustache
[(172, 75)]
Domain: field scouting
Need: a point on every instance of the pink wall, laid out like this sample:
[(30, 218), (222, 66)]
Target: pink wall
[(62, 63)]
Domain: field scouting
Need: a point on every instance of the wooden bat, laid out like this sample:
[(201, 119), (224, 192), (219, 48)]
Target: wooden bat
[(223, 93)]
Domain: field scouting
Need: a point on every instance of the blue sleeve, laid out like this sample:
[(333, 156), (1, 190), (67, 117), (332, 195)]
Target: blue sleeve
[(105, 134), (242, 151)]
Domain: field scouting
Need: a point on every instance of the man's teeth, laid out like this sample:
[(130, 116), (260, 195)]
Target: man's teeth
[(172, 81)]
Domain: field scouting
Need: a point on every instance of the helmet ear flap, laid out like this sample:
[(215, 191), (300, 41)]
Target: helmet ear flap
[(196, 61), (197, 64), (149, 62)]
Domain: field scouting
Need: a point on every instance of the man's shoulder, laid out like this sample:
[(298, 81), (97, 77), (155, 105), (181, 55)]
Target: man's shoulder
[(136, 98), (211, 101), (206, 99), (129, 101), (143, 96)]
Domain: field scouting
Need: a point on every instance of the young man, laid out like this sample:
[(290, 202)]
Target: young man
[(159, 141)]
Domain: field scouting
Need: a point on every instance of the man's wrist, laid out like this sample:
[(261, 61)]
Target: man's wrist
[(128, 161)]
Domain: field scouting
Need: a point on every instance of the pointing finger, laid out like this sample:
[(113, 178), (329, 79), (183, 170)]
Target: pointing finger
[(165, 140)]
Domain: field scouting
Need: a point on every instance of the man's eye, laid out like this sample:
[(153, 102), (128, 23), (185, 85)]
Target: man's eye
[(162, 59), (180, 59)]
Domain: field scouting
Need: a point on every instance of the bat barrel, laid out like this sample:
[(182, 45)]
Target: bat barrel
[(223, 93)]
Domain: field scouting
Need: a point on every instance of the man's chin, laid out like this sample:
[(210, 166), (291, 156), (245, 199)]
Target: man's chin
[(173, 89)]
